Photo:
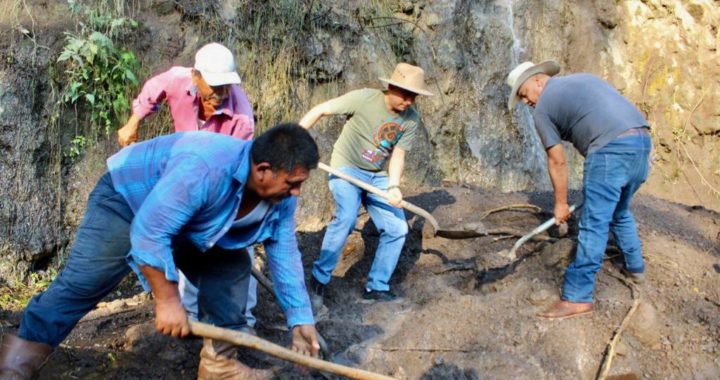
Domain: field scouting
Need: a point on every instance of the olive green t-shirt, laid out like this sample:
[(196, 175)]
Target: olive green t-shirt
[(371, 131)]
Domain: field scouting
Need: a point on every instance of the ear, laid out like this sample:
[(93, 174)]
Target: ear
[(263, 171)]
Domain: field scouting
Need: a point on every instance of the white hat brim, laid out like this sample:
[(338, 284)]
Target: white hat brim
[(416, 90), (220, 79), (548, 67)]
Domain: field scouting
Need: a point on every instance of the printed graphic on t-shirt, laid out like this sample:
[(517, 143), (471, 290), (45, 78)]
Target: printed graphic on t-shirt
[(387, 136)]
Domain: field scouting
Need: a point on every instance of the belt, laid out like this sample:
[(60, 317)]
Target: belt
[(637, 131)]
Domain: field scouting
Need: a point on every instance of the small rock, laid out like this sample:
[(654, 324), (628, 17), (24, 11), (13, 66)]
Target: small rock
[(558, 254), (407, 7), (540, 297), (621, 349)]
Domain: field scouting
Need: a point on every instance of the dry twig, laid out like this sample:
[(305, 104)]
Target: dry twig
[(610, 350)]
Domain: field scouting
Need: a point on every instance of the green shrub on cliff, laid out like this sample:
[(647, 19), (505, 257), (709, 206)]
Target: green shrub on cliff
[(99, 74)]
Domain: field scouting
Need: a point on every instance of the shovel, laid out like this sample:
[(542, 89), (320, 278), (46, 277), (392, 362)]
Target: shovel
[(267, 284), (511, 254), (437, 231), (240, 338)]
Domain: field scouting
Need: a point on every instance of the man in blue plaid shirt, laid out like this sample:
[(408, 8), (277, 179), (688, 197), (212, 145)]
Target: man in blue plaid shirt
[(190, 201)]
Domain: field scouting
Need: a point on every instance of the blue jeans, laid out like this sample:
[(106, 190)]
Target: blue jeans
[(189, 294), (389, 221), (611, 177), (97, 264)]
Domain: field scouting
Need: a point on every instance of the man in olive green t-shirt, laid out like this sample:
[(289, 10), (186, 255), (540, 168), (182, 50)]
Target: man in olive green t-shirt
[(381, 127)]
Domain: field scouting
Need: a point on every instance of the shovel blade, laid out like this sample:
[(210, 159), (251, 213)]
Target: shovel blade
[(469, 231)]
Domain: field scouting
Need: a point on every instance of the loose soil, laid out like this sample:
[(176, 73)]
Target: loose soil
[(466, 312)]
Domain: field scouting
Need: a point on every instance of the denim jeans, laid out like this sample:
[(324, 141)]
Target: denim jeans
[(611, 177), (97, 263), (189, 294), (389, 221)]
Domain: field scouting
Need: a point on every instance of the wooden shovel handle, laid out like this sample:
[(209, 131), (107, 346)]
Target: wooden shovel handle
[(240, 338), (365, 186)]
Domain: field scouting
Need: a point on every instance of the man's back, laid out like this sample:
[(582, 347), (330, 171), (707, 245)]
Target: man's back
[(585, 110), (188, 157)]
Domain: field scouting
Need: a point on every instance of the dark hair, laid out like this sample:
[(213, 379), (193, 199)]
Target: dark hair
[(286, 146)]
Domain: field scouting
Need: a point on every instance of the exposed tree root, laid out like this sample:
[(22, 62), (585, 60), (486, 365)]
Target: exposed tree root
[(510, 207)]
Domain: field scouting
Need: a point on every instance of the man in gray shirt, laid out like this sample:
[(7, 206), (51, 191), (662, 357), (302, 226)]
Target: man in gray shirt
[(613, 136)]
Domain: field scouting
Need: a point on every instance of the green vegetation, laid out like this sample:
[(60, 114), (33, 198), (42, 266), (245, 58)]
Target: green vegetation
[(100, 75), (277, 45), (15, 296)]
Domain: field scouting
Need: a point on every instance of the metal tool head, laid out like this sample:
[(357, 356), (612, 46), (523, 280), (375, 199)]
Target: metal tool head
[(467, 231)]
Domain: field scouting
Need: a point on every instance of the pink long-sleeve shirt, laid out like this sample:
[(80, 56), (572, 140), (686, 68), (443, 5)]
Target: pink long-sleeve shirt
[(234, 117)]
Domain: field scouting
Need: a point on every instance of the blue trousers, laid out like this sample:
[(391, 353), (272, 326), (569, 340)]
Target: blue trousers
[(97, 263), (189, 294), (389, 221), (611, 177)]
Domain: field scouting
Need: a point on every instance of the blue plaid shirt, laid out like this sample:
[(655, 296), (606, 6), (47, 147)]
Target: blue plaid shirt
[(191, 184)]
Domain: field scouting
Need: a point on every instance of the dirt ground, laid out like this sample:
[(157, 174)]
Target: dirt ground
[(466, 311)]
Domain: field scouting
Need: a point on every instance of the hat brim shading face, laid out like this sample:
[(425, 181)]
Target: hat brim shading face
[(548, 67), (413, 89), (220, 79)]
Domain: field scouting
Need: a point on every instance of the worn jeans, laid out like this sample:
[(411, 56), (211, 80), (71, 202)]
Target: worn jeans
[(389, 221), (612, 175), (189, 294), (97, 263)]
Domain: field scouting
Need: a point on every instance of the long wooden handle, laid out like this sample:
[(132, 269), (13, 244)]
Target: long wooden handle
[(240, 338), (365, 186)]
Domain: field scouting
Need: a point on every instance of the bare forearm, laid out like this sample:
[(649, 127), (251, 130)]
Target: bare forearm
[(559, 179), (557, 168), (128, 134), (170, 316), (312, 117), (162, 289), (396, 166)]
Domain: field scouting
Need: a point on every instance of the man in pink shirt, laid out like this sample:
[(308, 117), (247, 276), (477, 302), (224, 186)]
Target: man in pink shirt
[(206, 97)]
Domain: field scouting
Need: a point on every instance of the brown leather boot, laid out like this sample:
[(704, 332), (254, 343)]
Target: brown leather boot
[(21, 359), (218, 361)]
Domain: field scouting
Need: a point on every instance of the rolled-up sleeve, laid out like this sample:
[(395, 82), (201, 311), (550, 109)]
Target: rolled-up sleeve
[(286, 268), (152, 95), (176, 197)]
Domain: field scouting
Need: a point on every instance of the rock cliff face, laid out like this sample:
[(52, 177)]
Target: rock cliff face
[(662, 54)]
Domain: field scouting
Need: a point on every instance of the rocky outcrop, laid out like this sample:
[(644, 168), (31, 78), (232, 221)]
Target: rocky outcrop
[(662, 54), (32, 220)]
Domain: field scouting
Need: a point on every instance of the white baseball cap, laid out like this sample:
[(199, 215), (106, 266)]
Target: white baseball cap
[(217, 65)]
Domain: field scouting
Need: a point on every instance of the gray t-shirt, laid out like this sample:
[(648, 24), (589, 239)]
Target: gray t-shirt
[(585, 110)]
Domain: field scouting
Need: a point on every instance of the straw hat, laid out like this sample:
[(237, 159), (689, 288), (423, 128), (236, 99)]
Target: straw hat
[(523, 72), (408, 77), (217, 65)]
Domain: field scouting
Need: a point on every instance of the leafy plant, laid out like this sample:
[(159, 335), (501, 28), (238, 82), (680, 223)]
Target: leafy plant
[(14, 296), (77, 146), (100, 75)]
